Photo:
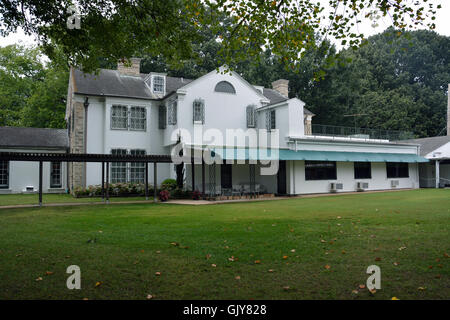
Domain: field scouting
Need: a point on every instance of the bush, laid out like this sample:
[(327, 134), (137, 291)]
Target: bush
[(196, 195), (169, 184), (115, 189), (164, 195), (180, 194)]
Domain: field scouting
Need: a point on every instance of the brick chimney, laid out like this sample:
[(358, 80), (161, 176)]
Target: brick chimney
[(448, 110), (133, 70)]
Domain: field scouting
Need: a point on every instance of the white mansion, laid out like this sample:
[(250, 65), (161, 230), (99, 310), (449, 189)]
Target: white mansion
[(125, 112)]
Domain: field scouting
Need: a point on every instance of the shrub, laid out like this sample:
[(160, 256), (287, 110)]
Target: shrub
[(180, 194), (164, 195), (196, 195), (169, 184)]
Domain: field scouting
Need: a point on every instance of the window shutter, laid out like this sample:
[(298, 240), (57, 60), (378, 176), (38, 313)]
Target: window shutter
[(272, 119), (251, 117), (174, 111), (162, 117), (268, 121)]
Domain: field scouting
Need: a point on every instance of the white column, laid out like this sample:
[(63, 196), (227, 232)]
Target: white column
[(437, 173)]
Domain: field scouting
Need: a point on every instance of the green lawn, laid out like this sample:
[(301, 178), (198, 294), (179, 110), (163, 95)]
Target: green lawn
[(295, 238), (14, 199)]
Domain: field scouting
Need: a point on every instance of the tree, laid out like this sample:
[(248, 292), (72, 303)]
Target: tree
[(31, 93), (119, 29), (399, 81)]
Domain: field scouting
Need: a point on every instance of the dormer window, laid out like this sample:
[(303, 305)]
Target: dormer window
[(225, 86), (158, 84)]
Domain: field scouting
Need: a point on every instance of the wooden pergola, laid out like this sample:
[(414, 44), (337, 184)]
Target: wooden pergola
[(89, 157)]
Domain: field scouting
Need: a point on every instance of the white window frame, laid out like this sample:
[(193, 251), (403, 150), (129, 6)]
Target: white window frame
[(172, 110), (129, 117), (198, 111), (163, 84), (60, 173), (121, 117), (127, 167), (5, 186), (269, 119)]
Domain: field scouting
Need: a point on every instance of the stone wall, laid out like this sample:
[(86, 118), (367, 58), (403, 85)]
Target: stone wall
[(77, 169)]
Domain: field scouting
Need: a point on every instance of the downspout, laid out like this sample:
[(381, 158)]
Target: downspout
[(86, 105)]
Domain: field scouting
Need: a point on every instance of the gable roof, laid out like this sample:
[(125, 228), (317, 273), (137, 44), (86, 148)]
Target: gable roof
[(113, 84), (428, 145), (33, 137)]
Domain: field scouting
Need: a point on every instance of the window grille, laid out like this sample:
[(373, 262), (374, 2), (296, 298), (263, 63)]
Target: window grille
[(199, 111), (138, 117), (119, 117), (55, 175)]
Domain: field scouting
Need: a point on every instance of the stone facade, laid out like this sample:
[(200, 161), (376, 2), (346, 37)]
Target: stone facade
[(282, 86), (76, 136), (132, 70)]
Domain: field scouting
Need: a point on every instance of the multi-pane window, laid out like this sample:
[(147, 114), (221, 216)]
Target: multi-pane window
[(225, 86), (199, 111), (137, 169), (118, 169), (158, 84), (4, 174), (397, 170), (133, 172), (270, 120), (55, 175), (172, 112), (137, 118), (128, 118), (363, 170), (320, 170), (162, 117), (251, 116), (119, 117)]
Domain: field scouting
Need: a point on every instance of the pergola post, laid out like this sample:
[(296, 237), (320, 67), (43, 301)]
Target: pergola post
[(203, 178), (40, 183), (146, 180), (103, 181), (193, 169), (155, 173), (437, 163), (107, 182)]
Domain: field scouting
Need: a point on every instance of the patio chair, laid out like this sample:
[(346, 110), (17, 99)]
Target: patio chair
[(237, 190)]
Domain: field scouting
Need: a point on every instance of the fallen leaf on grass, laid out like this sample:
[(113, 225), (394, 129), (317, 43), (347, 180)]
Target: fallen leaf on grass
[(85, 299), (343, 252), (438, 276), (157, 273), (395, 263), (257, 261), (285, 257), (270, 270), (377, 259), (237, 278), (149, 296), (39, 279), (430, 267), (373, 291), (362, 286), (213, 265), (395, 298), (446, 255), (293, 250), (98, 284), (327, 267), (402, 248), (355, 291), (287, 288), (48, 273), (175, 244), (208, 256), (232, 258), (422, 288)]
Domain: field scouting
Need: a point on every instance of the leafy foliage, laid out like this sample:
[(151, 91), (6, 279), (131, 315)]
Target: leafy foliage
[(32, 94), (117, 29)]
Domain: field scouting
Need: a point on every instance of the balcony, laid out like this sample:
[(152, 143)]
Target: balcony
[(358, 133)]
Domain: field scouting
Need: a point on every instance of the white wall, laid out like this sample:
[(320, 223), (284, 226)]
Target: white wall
[(102, 139), (345, 175), (26, 173)]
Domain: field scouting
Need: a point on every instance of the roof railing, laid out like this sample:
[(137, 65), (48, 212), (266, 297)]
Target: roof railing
[(362, 133)]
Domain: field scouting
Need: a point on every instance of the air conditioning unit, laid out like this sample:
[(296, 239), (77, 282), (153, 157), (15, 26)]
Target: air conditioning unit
[(361, 186), (334, 187), (394, 183)]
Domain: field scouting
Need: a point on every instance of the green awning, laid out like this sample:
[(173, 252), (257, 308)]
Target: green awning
[(285, 154)]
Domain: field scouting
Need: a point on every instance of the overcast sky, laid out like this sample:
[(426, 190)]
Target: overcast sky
[(442, 26)]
